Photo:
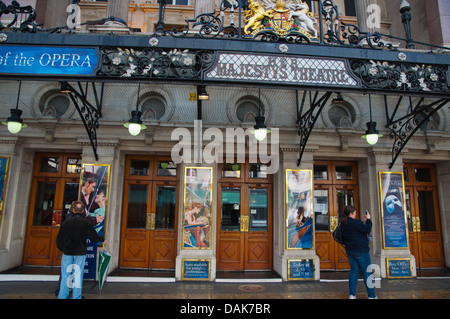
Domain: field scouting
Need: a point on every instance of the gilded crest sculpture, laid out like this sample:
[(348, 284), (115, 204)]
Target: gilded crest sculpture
[(283, 18)]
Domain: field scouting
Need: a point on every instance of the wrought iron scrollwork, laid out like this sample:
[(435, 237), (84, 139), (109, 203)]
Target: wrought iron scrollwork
[(401, 76), (154, 63), (342, 33), (89, 113), (24, 16), (404, 128), (306, 121)]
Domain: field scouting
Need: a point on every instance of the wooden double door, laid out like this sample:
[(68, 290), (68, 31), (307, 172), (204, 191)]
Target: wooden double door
[(244, 226), (149, 214), (56, 181), (422, 208), (335, 186)]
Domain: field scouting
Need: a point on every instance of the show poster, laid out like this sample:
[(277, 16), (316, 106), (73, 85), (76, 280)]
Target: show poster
[(392, 195), (299, 232), (4, 166), (197, 207), (94, 187)]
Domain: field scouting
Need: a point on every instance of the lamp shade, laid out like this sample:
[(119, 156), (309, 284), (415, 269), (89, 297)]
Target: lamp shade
[(14, 122), (260, 129), (135, 125), (202, 94), (372, 135)]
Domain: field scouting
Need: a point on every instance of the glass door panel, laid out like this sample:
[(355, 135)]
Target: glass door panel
[(165, 207), (231, 209), (321, 210), (426, 210), (258, 209), (137, 206), (345, 197), (70, 195), (44, 203)]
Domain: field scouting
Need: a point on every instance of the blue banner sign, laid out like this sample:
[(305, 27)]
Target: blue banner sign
[(91, 260), (62, 61)]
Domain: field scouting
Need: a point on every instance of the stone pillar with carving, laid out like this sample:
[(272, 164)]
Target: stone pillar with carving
[(365, 12), (118, 9)]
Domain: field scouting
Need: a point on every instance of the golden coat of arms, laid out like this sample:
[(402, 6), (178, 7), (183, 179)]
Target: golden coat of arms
[(282, 17)]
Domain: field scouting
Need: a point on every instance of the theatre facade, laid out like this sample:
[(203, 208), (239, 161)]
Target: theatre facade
[(229, 146)]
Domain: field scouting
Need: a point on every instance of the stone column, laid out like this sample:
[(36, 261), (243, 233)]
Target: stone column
[(366, 15), (118, 9), (378, 161), (203, 6), (282, 255)]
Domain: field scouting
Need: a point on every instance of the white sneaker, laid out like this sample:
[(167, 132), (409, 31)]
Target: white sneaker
[(374, 297), (351, 297)]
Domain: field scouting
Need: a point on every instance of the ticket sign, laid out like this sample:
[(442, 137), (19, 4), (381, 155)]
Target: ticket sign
[(399, 268), (196, 269), (301, 269), (45, 61)]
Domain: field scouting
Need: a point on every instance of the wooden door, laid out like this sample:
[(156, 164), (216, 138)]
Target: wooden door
[(258, 230), (163, 235), (335, 187), (149, 223), (230, 227), (70, 190), (422, 209), (244, 227), (54, 187)]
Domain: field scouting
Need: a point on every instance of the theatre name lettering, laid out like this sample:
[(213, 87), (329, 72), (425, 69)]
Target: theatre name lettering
[(291, 70)]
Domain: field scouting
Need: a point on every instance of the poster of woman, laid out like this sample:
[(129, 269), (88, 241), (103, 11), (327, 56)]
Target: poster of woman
[(197, 207), (395, 233), (299, 232), (94, 186)]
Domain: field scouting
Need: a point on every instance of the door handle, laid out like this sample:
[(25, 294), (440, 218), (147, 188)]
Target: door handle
[(244, 224), (333, 223), (416, 224), (56, 218), (150, 223)]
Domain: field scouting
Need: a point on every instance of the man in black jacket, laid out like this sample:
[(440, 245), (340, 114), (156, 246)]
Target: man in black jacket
[(71, 240)]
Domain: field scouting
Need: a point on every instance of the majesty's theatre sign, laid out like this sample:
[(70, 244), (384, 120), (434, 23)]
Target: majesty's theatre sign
[(282, 69)]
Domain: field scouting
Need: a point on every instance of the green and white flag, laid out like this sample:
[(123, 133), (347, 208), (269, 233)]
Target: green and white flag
[(104, 258)]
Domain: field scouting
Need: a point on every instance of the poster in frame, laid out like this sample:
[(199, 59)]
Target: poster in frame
[(94, 194), (196, 269), (393, 211), (399, 268), (4, 171), (301, 269), (299, 208), (197, 203)]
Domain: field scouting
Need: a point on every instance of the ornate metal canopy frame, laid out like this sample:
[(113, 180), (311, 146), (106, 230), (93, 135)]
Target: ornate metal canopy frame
[(274, 51)]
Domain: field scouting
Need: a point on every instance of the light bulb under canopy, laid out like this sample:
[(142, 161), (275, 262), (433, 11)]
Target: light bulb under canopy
[(135, 125), (372, 135)]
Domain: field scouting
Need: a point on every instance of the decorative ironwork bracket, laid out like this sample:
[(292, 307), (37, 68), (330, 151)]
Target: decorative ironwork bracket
[(404, 128), (306, 122), (89, 113)]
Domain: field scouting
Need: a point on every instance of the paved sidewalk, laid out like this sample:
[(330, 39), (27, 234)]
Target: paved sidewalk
[(437, 288)]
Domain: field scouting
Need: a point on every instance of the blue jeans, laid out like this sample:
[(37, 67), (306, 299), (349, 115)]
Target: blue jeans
[(360, 261), (72, 269)]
